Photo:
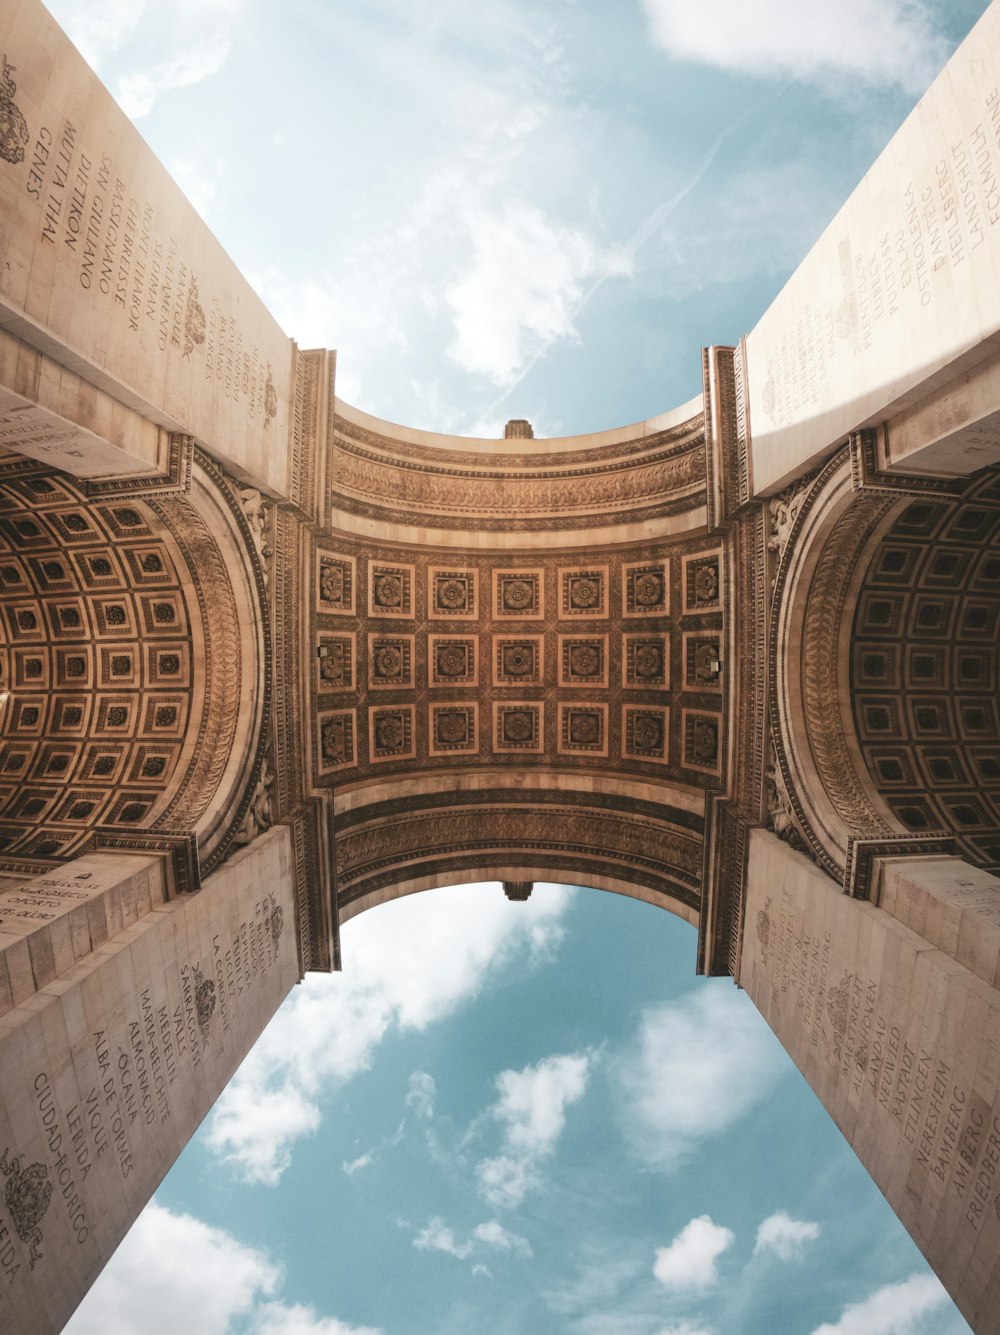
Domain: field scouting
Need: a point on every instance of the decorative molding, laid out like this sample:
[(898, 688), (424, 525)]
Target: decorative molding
[(862, 854), (174, 481), (381, 478), (184, 872), (867, 448)]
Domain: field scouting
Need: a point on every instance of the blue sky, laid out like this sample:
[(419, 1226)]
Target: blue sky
[(517, 209)]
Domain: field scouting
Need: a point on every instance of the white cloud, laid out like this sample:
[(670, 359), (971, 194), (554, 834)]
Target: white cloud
[(436, 1236), (684, 1329), (527, 277), (407, 964), (532, 1109), (138, 1294), (785, 1236), (279, 1319), (895, 1309), (493, 1234), (879, 41), (480, 1269), (352, 1166), (224, 1282), (421, 1094), (137, 93), (698, 1066), (689, 1261)]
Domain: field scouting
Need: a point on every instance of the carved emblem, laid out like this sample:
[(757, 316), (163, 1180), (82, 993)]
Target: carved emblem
[(764, 928), (584, 660), (584, 729), (646, 590), (204, 1001), (453, 660), (331, 582), (389, 591), (13, 127), (452, 727), (194, 320), (705, 663), (336, 736), (275, 919), (518, 594), (649, 590), (389, 732), (270, 398), (518, 660), (27, 1193), (518, 726), (648, 732), (704, 583), (702, 740), (649, 660), (836, 1007), (388, 661), (331, 668)]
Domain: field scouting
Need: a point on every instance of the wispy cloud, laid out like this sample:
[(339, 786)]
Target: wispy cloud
[(532, 1110), (138, 92), (352, 1166), (521, 289), (678, 1086), (493, 1234), (437, 1236), (880, 41), (689, 1262), (785, 1237), (421, 1094), (895, 1309), (330, 1027)]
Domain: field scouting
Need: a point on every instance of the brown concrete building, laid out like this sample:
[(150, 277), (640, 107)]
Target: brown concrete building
[(266, 661)]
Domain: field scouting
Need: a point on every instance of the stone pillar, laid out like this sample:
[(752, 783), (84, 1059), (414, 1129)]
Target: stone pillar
[(892, 1013), (894, 314), (110, 1065), (122, 320)]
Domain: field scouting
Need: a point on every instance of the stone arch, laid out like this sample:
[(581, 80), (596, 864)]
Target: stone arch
[(872, 588), (822, 534), (133, 654), (639, 839)]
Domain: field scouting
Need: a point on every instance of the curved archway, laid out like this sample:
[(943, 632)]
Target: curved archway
[(133, 656)]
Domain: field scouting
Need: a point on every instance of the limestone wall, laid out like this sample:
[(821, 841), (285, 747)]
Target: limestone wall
[(108, 270), (893, 1015), (900, 297), (109, 1067)]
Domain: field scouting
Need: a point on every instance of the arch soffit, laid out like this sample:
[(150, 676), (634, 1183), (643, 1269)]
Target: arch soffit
[(832, 530), (131, 723)]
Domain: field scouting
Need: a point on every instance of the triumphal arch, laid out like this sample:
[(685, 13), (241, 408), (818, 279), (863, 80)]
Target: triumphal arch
[(267, 661)]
